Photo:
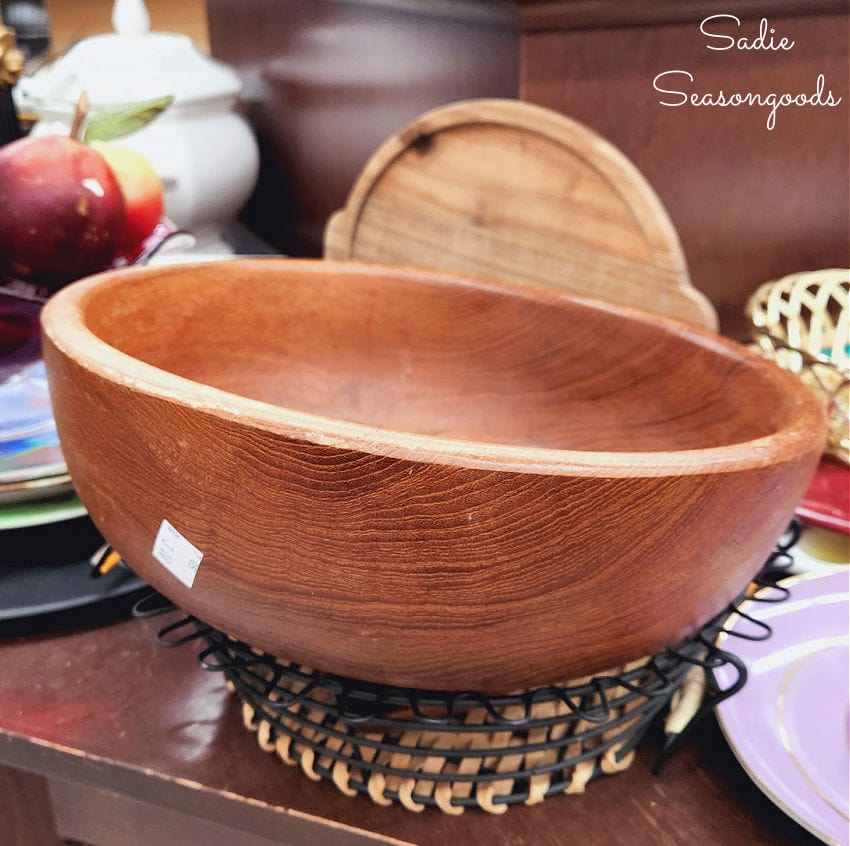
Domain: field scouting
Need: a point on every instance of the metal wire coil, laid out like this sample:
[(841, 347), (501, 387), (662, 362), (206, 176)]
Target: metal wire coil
[(460, 749)]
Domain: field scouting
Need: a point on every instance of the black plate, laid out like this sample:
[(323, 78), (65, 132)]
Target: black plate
[(46, 582)]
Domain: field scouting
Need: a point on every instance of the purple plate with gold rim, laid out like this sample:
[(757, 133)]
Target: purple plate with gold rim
[(790, 724)]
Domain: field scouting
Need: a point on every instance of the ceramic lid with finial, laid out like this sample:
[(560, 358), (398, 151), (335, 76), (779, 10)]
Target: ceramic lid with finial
[(132, 64)]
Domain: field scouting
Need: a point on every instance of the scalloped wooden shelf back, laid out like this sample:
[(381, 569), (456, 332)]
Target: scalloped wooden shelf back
[(506, 189)]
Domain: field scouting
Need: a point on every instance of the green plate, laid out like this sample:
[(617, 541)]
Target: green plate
[(25, 514)]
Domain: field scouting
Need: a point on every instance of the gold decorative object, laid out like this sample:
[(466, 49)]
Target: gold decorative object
[(802, 322), (11, 58)]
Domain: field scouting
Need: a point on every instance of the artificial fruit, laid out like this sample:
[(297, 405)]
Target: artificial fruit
[(142, 191), (62, 211)]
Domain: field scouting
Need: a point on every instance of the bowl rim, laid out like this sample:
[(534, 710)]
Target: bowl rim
[(63, 324)]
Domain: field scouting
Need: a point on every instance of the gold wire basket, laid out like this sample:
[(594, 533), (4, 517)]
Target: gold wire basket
[(802, 323)]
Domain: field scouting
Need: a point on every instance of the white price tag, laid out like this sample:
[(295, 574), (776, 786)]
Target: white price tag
[(176, 554)]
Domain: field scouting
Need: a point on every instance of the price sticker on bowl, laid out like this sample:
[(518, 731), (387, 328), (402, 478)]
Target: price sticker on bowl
[(177, 554)]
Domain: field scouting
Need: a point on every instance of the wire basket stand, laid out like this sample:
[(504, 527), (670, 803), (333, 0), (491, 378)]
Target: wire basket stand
[(454, 750)]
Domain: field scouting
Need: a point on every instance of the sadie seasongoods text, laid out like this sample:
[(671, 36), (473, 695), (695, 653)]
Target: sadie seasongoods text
[(677, 85)]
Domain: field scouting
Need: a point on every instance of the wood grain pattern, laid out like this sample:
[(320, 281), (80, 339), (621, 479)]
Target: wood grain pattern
[(26, 817), (749, 204), (161, 731), (420, 479), (537, 15), (333, 80), (505, 189), (106, 818)]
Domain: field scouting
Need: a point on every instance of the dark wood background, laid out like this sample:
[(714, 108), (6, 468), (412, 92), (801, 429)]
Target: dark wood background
[(750, 204), (183, 770), (329, 80)]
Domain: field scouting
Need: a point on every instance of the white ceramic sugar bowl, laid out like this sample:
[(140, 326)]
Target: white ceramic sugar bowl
[(202, 149)]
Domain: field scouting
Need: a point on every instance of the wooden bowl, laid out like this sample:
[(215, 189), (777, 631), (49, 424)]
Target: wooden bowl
[(419, 479)]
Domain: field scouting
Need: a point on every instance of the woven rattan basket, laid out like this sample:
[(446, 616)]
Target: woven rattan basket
[(458, 750), (453, 750), (453, 770), (802, 322)]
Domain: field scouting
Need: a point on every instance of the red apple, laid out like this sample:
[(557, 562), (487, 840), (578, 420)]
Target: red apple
[(142, 191), (61, 210)]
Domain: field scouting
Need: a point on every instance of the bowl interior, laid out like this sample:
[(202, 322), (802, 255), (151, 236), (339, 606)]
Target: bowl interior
[(433, 355)]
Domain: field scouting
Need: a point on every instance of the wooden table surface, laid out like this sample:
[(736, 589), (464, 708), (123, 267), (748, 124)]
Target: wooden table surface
[(106, 708)]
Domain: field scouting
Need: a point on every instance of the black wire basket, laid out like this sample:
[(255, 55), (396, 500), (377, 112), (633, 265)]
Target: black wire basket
[(459, 749)]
